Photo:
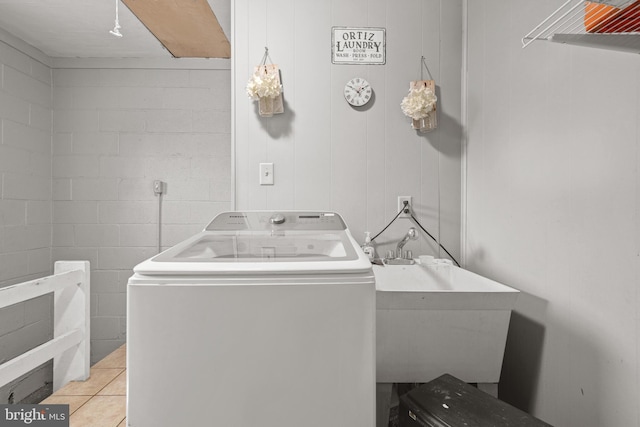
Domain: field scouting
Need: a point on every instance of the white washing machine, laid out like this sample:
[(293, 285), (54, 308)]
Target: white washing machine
[(263, 319)]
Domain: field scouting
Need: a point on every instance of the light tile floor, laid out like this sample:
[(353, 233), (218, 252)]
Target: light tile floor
[(101, 401)]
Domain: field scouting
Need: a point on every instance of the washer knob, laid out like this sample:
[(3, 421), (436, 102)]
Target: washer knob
[(277, 219)]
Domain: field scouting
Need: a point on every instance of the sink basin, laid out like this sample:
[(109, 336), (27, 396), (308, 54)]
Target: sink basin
[(435, 320), (444, 287)]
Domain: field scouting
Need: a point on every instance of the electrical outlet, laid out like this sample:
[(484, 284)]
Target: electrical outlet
[(158, 187), (406, 210)]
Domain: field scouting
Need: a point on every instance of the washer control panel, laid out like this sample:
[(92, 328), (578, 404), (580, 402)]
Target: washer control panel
[(284, 220)]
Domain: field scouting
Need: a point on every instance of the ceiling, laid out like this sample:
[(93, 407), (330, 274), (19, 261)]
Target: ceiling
[(80, 28)]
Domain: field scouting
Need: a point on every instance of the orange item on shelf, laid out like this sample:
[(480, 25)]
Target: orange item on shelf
[(596, 13), (602, 18)]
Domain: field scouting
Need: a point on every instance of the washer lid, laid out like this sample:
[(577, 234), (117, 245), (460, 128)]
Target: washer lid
[(262, 246), (258, 242)]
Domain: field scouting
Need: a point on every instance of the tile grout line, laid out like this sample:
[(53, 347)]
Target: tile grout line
[(91, 396), (114, 378), (108, 384), (78, 408)]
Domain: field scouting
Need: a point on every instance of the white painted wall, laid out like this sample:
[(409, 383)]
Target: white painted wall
[(327, 155), (115, 131), (553, 190), (25, 205)]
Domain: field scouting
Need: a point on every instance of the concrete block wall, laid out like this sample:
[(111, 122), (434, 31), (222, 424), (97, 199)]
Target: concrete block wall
[(115, 131), (25, 166), (25, 207)]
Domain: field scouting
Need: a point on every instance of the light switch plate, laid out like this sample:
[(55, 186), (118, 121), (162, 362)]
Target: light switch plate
[(266, 173)]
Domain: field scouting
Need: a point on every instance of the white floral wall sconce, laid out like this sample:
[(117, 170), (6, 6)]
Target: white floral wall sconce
[(420, 104), (265, 87)]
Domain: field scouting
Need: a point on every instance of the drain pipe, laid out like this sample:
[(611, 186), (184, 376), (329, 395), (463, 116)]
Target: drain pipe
[(159, 188)]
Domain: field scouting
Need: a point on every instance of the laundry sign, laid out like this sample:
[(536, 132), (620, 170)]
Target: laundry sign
[(358, 45)]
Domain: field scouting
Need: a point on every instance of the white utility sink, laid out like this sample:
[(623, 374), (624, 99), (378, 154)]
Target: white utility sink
[(433, 320)]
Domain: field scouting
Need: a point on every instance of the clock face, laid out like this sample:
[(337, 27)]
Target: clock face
[(357, 92)]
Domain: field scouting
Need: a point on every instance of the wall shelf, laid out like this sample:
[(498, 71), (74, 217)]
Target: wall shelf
[(606, 24)]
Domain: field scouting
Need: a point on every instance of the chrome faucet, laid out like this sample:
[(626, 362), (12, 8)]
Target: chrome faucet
[(412, 234), (397, 258)]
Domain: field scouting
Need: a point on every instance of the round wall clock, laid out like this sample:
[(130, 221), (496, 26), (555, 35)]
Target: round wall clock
[(357, 91)]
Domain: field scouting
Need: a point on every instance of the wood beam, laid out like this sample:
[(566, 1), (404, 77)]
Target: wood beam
[(186, 28)]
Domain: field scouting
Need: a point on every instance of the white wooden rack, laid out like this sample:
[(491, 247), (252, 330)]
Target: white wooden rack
[(607, 24), (69, 347)]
